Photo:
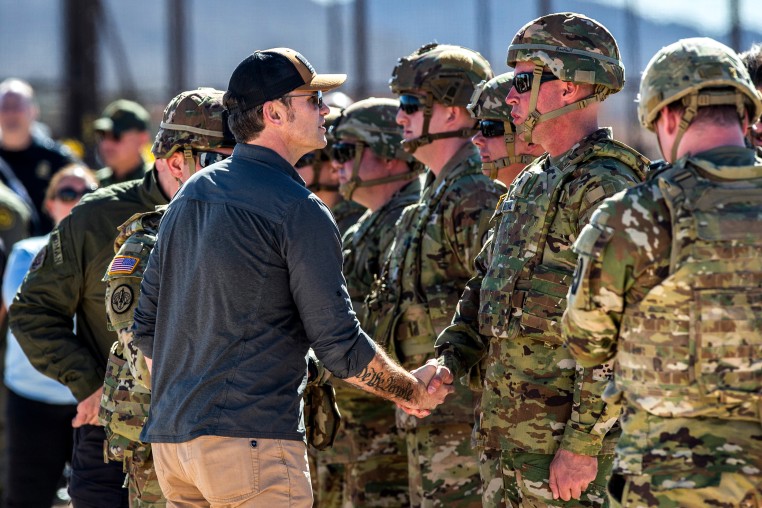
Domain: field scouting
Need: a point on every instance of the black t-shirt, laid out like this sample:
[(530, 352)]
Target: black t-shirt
[(34, 167)]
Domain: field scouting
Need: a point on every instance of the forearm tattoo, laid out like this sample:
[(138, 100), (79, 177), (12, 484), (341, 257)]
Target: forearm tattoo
[(394, 385)]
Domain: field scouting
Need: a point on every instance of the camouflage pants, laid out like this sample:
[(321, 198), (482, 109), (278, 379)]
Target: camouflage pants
[(443, 467), (143, 484), (726, 490), (378, 482), (514, 479)]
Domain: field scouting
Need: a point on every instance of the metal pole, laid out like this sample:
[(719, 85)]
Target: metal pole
[(735, 25), (545, 7), (81, 67), (178, 46), (483, 28), (361, 49), (335, 32)]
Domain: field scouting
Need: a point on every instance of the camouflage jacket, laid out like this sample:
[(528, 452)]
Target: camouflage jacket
[(346, 214), (126, 395), (368, 422), (684, 342), (428, 264), (536, 398)]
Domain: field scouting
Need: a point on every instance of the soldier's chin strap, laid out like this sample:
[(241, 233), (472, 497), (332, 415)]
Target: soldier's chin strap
[(510, 147), (347, 189), (410, 146), (703, 99), (534, 117), (316, 186)]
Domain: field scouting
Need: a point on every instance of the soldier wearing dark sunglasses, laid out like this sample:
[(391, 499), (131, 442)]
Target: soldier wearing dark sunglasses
[(504, 154), (545, 415), (430, 260)]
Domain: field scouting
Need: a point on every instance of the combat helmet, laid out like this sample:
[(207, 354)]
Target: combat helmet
[(317, 158), (443, 73), (193, 120), (372, 122), (698, 72), (488, 103), (575, 49)]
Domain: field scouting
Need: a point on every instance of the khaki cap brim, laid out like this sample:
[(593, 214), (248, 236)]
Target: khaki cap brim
[(324, 82), (103, 125)]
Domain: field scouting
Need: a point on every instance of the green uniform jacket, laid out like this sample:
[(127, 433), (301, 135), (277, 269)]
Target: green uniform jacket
[(347, 213), (66, 279), (106, 177), (536, 398)]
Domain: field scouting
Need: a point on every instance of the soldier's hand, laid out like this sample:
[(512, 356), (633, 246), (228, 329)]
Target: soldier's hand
[(570, 474), (433, 375), (87, 410), (426, 397)]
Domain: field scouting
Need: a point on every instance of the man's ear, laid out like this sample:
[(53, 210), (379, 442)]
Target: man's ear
[(175, 164), (271, 112)]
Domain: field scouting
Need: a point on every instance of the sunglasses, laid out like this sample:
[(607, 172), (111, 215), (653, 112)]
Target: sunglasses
[(343, 152), (316, 99), (107, 135), (491, 128), (208, 158), (69, 194), (410, 104), (522, 81)]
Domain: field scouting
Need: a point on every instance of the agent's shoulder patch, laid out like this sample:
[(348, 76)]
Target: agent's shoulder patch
[(38, 260)]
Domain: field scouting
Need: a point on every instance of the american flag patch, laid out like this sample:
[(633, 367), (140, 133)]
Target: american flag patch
[(123, 265)]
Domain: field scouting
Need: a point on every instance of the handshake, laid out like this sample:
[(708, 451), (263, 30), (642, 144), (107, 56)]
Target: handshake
[(434, 384)]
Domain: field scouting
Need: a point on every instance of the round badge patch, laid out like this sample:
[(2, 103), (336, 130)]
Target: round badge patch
[(38, 260), (121, 299)]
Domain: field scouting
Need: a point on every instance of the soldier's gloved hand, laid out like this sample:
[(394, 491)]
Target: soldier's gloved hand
[(87, 410), (570, 474)]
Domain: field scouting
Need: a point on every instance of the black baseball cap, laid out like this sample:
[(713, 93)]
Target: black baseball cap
[(271, 73)]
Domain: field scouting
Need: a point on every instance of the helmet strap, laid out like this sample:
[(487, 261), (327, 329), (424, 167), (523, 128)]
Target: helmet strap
[(347, 189), (316, 186), (534, 117), (425, 138)]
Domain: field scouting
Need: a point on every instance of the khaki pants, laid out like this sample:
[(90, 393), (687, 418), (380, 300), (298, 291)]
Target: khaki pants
[(226, 472)]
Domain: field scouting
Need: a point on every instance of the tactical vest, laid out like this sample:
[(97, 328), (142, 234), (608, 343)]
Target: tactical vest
[(692, 347), (126, 396), (404, 312), (518, 292)]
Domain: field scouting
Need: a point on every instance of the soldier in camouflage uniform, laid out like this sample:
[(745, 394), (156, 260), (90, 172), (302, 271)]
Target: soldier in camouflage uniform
[(669, 284), (503, 155), (541, 410), (193, 134), (322, 178), (367, 465), (430, 259)]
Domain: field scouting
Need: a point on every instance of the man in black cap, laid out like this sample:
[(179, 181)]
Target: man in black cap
[(122, 133), (245, 277)]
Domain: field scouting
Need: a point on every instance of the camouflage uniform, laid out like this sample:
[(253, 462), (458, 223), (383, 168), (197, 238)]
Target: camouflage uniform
[(367, 465), (488, 103), (428, 264), (126, 391), (536, 399), (668, 284)]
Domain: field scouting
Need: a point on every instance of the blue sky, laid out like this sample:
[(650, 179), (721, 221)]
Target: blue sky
[(711, 15)]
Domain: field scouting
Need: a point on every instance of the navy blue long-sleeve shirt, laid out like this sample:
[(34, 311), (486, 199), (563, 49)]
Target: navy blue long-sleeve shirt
[(244, 278)]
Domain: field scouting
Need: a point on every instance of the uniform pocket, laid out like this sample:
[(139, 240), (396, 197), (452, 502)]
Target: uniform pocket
[(544, 305)]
